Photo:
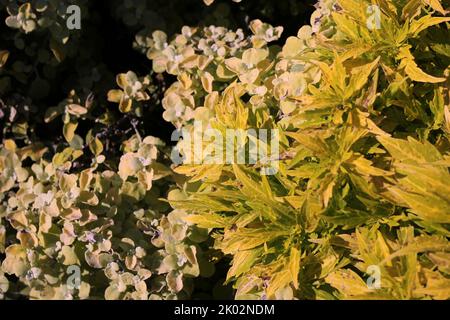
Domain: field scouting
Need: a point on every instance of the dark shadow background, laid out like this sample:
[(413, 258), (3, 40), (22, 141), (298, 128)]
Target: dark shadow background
[(105, 44)]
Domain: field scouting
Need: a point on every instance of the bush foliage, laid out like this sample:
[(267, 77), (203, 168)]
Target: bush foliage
[(363, 112)]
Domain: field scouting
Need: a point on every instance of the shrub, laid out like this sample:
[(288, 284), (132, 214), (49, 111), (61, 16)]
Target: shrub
[(92, 205), (364, 121), (110, 223)]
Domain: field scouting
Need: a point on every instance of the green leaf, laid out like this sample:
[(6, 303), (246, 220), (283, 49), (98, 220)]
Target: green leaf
[(294, 266), (242, 262), (411, 150), (420, 245), (208, 221), (424, 23), (96, 146), (69, 130)]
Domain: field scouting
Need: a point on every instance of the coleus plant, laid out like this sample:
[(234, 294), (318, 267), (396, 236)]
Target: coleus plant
[(361, 101), (363, 114)]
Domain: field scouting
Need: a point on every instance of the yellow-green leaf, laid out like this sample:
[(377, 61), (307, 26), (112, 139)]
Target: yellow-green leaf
[(4, 54), (294, 266)]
